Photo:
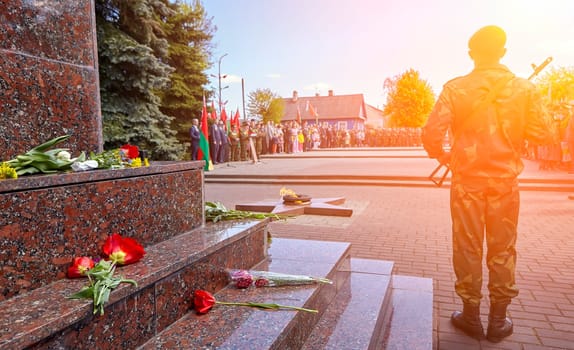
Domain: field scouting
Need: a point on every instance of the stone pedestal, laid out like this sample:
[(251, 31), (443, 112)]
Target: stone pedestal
[(47, 220), (49, 84)]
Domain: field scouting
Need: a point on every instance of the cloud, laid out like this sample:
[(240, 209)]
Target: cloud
[(273, 75), (230, 78)]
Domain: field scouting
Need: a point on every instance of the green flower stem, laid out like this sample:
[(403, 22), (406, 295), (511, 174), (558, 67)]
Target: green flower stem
[(266, 306), (102, 282)]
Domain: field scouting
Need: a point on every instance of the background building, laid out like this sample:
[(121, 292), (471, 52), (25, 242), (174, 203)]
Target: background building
[(342, 111)]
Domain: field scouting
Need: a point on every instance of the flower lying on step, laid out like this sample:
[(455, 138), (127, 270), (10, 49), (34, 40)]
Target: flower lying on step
[(204, 301), (7, 172), (45, 159), (119, 251), (244, 279), (123, 250), (127, 156), (80, 266), (216, 211), (129, 152)]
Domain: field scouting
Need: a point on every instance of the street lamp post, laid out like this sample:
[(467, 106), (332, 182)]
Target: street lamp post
[(243, 97), (219, 77)]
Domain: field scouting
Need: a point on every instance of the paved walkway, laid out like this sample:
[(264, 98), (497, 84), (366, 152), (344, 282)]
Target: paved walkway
[(411, 226)]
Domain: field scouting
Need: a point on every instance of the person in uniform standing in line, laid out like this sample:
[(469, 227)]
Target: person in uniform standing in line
[(490, 113)]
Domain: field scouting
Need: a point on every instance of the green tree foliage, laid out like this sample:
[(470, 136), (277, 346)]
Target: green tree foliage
[(409, 100), (130, 52), (189, 33), (265, 104)]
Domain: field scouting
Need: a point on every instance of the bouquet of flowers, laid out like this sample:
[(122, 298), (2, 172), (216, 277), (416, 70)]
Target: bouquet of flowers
[(117, 250), (41, 159), (216, 211), (246, 278)]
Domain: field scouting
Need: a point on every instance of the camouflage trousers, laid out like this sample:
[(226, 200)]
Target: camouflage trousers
[(478, 210)]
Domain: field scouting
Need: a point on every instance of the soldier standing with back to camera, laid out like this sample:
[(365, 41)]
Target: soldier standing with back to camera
[(490, 113)]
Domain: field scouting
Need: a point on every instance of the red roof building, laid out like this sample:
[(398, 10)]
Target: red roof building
[(343, 111)]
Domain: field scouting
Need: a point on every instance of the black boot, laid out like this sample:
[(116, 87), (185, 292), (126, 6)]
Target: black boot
[(468, 321), (499, 326)]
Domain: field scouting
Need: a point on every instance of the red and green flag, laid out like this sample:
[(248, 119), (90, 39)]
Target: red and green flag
[(204, 139)]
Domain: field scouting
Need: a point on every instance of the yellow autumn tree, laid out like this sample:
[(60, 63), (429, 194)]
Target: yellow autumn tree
[(410, 100), (557, 88)]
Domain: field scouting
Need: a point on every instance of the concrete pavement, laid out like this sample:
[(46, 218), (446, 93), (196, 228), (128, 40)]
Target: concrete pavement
[(411, 226)]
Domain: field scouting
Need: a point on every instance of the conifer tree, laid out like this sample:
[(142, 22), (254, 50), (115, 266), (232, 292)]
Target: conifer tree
[(130, 53), (189, 33)]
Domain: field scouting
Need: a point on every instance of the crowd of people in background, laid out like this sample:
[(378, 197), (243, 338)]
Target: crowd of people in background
[(228, 143)]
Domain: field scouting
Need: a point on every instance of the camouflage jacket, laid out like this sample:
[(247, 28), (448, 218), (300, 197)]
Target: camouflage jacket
[(486, 141)]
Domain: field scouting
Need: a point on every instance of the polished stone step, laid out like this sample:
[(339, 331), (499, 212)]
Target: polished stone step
[(365, 308), (377, 310), (237, 327), (358, 317), (411, 323), (45, 318)]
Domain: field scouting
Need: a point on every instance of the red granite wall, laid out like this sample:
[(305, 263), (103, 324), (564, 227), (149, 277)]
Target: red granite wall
[(47, 220), (49, 84)]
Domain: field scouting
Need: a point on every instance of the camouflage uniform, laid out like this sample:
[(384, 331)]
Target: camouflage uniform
[(485, 162)]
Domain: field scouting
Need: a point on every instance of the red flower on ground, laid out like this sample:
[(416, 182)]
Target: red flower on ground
[(80, 266), (122, 250), (131, 151), (241, 278), (203, 301), (261, 282)]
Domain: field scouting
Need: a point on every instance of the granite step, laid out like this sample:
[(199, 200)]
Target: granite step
[(45, 318), (361, 310), (358, 317), (236, 327), (525, 184), (411, 323), (377, 310)]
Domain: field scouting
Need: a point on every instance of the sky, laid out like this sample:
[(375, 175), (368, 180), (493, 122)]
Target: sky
[(352, 46)]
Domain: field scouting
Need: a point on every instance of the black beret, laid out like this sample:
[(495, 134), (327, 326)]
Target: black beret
[(489, 40)]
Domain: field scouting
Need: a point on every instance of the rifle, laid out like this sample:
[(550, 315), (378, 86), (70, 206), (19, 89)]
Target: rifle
[(439, 180)]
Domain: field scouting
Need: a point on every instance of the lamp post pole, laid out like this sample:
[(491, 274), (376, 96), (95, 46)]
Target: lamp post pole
[(219, 77), (243, 97)]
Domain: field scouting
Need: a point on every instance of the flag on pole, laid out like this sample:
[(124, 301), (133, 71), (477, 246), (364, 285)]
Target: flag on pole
[(204, 139), (223, 117), (236, 119), (213, 111), (298, 115), (314, 113)]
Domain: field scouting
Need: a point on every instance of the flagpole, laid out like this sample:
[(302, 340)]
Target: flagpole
[(219, 76), (243, 97)]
